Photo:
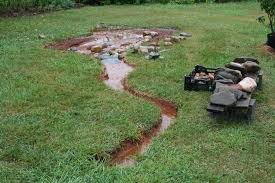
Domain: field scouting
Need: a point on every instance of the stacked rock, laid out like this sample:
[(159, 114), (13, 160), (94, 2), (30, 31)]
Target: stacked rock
[(235, 81)]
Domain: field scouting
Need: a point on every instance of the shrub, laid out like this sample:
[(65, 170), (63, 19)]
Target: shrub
[(269, 7), (27, 5)]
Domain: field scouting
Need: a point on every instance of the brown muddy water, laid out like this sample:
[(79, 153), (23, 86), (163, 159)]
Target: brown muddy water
[(112, 50)]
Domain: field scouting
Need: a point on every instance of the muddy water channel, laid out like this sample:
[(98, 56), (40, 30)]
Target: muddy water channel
[(110, 46)]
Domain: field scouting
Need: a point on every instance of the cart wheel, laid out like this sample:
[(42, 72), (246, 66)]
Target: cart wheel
[(250, 115)]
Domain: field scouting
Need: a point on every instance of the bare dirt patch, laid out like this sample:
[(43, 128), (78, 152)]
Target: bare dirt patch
[(267, 49)]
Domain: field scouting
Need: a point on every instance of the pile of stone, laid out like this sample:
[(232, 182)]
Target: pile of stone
[(234, 85), (112, 42), (175, 39), (152, 51), (241, 73)]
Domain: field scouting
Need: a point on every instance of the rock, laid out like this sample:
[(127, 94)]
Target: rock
[(121, 50), (146, 40), (153, 34), (185, 34), (236, 73), (154, 44), (148, 37), (222, 74), (251, 67), (152, 48), (101, 27), (104, 45), (41, 36), (143, 49), (167, 39), (237, 66), (147, 49), (168, 43), (150, 33), (154, 55), (244, 59), (211, 76), (136, 48), (113, 47), (73, 49), (223, 98), (112, 52), (175, 39), (248, 84), (96, 49), (121, 56), (146, 33)]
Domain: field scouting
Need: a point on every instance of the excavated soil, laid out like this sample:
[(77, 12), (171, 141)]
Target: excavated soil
[(114, 75), (267, 49)]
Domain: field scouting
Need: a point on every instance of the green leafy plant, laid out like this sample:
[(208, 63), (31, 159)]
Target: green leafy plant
[(269, 7)]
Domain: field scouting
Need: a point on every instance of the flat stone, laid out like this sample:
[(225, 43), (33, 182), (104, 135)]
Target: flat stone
[(143, 49), (73, 49), (244, 59), (41, 36), (168, 43), (148, 37), (167, 39), (251, 67), (146, 33), (150, 33), (96, 49), (121, 56), (147, 49), (153, 34), (154, 55), (185, 34), (175, 39), (223, 98)]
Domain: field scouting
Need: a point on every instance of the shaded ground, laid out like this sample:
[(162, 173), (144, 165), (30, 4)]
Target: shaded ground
[(52, 103)]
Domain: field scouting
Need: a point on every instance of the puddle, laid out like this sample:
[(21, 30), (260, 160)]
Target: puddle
[(113, 47)]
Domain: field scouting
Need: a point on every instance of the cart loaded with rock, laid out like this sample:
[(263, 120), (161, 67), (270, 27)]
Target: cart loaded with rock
[(233, 86)]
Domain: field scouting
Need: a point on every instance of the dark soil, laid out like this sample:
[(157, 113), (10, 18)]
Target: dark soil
[(66, 44), (267, 49)]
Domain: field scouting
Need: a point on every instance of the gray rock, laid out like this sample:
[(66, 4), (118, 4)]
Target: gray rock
[(154, 55), (73, 49), (244, 59), (41, 36), (185, 34), (224, 98)]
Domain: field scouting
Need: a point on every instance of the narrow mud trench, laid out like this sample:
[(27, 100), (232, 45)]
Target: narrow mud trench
[(110, 46)]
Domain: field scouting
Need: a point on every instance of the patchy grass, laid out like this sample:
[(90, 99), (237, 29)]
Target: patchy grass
[(56, 115)]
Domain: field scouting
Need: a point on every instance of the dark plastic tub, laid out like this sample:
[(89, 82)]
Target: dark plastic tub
[(271, 40)]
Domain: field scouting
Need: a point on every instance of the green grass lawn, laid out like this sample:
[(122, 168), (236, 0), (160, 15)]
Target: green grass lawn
[(56, 115)]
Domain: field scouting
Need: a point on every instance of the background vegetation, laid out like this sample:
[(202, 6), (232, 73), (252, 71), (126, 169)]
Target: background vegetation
[(47, 5)]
